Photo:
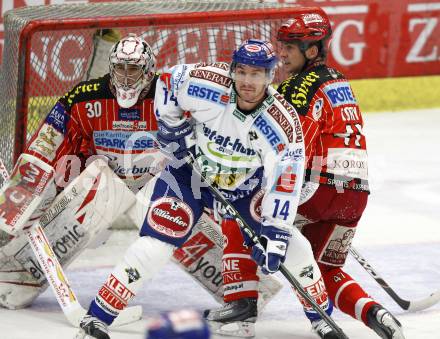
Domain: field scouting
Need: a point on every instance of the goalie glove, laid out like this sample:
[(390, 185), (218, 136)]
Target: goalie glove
[(271, 251)]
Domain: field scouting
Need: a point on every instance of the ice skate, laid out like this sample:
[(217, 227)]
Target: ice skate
[(92, 328), (236, 319), (383, 323), (323, 330)]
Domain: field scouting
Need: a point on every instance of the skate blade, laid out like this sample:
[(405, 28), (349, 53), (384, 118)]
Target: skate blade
[(392, 325), (241, 329), (81, 335)]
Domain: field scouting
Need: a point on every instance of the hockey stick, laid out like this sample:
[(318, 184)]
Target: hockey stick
[(253, 236), (57, 279), (408, 305)]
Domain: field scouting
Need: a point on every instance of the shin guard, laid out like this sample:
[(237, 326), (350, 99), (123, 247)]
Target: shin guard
[(141, 262), (302, 265)]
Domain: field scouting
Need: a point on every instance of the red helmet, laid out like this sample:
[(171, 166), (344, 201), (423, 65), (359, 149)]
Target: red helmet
[(309, 26)]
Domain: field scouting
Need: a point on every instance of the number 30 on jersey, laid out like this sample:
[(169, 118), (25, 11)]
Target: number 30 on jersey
[(94, 109)]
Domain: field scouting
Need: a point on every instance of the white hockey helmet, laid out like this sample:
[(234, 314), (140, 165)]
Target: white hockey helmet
[(132, 67)]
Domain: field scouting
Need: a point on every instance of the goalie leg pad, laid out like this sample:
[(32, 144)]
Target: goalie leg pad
[(15, 297), (18, 287), (25, 196), (143, 259), (201, 257), (77, 216)]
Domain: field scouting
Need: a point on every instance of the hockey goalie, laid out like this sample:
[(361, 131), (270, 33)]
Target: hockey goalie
[(92, 153)]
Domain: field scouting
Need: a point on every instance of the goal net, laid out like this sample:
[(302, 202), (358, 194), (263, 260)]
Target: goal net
[(48, 49)]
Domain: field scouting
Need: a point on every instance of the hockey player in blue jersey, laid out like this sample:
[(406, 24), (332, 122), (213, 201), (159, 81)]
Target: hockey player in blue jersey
[(248, 142)]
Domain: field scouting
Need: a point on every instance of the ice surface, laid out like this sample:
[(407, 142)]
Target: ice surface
[(399, 235)]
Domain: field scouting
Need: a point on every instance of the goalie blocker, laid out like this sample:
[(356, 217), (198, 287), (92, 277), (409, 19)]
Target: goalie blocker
[(26, 195)]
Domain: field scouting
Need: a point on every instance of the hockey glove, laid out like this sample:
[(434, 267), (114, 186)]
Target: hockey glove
[(172, 139), (271, 251)]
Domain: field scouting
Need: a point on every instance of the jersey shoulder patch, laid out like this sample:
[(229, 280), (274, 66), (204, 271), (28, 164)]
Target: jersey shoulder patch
[(212, 74), (339, 92), (88, 90), (179, 74), (279, 122), (220, 66), (300, 89), (209, 84)]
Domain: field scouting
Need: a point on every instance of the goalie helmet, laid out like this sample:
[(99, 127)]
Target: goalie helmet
[(257, 53), (132, 67), (306, 29)]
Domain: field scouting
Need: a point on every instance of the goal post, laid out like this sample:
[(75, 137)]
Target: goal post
[(47, 49)]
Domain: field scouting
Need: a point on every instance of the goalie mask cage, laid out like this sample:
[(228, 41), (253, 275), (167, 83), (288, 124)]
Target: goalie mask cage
[(48, 49)]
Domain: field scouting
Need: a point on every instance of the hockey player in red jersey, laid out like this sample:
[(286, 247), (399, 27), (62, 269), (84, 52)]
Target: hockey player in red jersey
[(335, 190)]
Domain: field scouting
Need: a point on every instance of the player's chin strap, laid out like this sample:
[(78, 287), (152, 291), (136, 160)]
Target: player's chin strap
[(408, 305), (253, 236), (56, 277)]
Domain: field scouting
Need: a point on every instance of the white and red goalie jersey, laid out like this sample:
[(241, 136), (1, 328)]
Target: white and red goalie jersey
[(88, 120)]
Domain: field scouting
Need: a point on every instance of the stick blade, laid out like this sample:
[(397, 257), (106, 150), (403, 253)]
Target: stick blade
[(418, 305)]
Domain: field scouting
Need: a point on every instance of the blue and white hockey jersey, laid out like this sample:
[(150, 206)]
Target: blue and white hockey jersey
[(233, 149)]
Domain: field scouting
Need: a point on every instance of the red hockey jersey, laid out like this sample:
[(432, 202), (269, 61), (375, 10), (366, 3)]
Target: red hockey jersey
[(332, 125), (88, 120)]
